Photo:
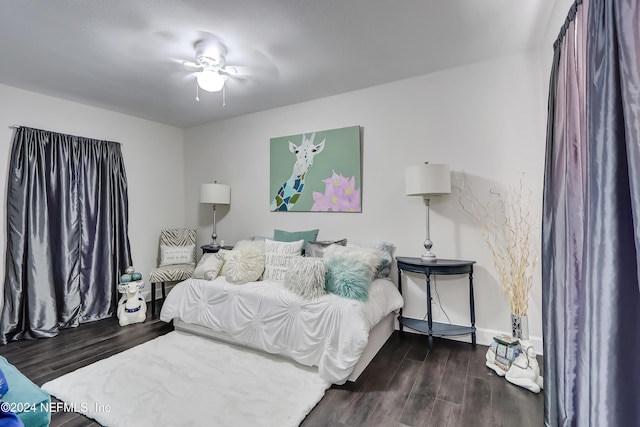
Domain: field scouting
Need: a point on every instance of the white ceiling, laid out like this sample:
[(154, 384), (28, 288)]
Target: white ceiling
[(124, 55)]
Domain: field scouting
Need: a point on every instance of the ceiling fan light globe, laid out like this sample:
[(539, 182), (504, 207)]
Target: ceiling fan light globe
[(210, 81)]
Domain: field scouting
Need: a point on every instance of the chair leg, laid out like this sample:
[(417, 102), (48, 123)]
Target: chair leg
[(164, 295), (153, 300)]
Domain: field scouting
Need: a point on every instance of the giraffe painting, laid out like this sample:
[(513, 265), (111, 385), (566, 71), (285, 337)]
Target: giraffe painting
[(289, 192)]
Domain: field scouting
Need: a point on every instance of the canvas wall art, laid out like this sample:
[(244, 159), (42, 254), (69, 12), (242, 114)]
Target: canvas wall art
[(316, 172)]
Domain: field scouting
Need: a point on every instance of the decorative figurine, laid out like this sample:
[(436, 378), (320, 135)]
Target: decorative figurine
[(516, 361), (131, 308)]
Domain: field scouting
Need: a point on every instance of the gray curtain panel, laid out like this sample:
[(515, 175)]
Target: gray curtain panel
[(591, 217), (67, 241)]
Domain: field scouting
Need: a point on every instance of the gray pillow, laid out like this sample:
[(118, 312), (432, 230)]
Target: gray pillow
[(316, 249), (305, 277)]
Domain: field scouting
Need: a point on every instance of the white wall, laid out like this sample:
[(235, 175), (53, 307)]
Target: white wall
[(487, 119), (153, 155)]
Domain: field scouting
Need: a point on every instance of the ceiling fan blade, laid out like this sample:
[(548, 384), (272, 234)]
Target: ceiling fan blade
[(252, 63), (229, 70), (191, 66), (189, 76), (257, 72), (159, 45)]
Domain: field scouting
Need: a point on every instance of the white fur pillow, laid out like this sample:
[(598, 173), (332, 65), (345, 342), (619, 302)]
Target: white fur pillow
[(385, 252), (277, 256), (209, 266), (243, 266), (305, 277), (257, 245)]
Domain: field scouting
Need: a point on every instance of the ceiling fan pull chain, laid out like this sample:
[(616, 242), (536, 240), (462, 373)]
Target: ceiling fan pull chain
[(224, 98), (197, 93)]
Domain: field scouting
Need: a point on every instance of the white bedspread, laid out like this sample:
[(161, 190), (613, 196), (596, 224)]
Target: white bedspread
[(330, 333)]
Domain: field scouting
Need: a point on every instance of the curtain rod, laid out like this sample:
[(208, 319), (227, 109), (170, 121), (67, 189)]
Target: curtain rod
[(15, 127)]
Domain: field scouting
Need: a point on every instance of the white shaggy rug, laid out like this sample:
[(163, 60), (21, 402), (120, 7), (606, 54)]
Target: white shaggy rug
[(184, 380)]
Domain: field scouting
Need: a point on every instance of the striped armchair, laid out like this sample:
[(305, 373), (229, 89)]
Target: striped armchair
[(177, 260)]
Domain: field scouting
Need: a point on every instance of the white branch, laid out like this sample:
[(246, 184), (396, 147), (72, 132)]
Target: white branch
[(506, 224)]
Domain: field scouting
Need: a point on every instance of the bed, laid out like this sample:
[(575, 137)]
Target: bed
[(338, 335)]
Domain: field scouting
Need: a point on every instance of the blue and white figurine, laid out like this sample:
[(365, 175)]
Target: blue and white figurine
[(131, 308)]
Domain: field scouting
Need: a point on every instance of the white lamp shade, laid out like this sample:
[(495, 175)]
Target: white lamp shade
[(211, 81), (217, 194), (427, 179)]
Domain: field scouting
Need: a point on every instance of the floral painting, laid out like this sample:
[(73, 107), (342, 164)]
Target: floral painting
[(316, 172), (340, 195)]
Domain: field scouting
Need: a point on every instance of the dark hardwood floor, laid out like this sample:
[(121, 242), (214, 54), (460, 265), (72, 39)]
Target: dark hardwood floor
[(405, 385)]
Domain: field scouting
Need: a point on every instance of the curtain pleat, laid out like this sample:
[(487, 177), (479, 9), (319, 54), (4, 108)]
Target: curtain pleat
[(609, 377), (564, 193), (67, 221), (591, 232)]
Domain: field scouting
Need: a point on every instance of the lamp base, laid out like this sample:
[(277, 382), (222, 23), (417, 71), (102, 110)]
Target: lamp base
[(214, 245), (428, 256)]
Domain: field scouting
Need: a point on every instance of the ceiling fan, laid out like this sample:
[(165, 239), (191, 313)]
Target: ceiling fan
[(210, 68)]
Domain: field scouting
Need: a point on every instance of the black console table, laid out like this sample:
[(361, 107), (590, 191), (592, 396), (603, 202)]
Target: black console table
[(438, 267)]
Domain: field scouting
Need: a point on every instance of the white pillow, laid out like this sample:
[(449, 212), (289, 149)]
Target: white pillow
[(172, 255), (209, 266), (243, 266), (257, 245), (277, 256), (222, 253)]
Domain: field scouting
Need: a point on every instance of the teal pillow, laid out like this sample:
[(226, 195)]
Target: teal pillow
[(350, 271), (293, 236), (23, 392)]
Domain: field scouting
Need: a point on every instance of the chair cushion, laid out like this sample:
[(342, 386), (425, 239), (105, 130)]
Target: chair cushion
[(171, 273), (22, 392)]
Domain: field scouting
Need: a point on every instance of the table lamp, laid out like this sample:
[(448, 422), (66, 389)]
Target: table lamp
[(216, 194), (427, 180)]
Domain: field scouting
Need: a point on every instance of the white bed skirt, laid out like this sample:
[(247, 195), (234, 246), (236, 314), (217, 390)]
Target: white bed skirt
[(330, 332), (378, 336)]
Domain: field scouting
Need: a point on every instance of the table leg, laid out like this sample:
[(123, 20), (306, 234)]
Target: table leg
[(400, 326), (472, 306), (153, 300), (429, 314)]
